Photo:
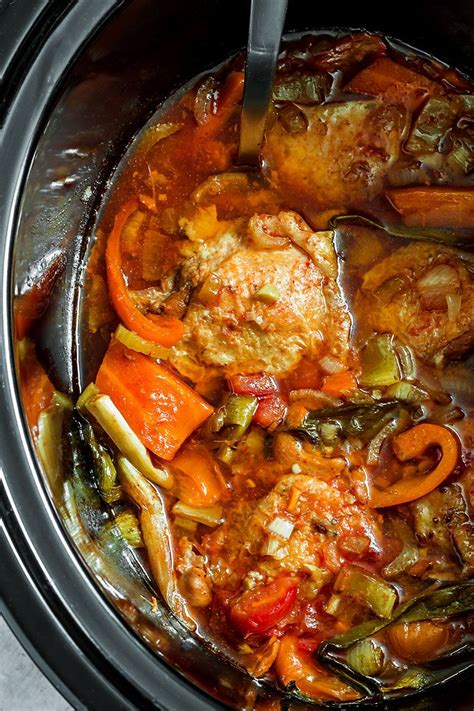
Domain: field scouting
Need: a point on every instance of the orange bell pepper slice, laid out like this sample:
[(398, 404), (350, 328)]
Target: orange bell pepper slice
[(295, 664), (159, 329), (159, 407), (305, 375), (434, 206), (394, 83), (198, 476), (412, 444), (339, 384)]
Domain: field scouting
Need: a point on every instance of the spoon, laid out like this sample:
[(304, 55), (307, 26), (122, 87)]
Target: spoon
[(267, 18)]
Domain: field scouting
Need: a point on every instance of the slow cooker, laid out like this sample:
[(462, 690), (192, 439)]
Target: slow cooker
[(79, 79)]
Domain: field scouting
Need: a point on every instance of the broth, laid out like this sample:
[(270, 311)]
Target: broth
[(283, 419)]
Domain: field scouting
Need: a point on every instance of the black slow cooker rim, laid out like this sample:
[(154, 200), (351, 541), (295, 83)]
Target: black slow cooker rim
[(43, 577)]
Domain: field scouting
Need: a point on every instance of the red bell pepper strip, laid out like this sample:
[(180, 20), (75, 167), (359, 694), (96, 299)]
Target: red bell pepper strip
[(270, 411), (159, 329), (256, 611), (258, 384)]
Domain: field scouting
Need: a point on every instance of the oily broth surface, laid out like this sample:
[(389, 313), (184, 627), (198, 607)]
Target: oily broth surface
[(170, 171)]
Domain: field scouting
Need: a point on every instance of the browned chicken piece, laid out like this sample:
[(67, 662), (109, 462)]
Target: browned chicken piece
[(303, 525), (340, 159), (263, 300), (424, 294)]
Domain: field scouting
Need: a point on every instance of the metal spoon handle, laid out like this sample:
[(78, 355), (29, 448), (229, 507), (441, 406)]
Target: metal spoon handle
[(267, 18)]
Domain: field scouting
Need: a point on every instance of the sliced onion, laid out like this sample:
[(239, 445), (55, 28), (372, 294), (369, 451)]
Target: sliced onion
[(281, 527), (273, 548), (454, 306), (435, 284), (331, 365)]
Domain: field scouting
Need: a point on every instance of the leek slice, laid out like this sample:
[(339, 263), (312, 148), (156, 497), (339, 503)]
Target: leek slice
[(379, 362), (127, 523), (209, 516), (115, 425), (367, 589), (140, 345)]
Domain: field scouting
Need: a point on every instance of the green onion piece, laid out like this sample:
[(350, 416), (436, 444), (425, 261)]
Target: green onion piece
[(301, 88), (157, 133), (113, 422), (268, 293), (106, 474), (461, 158), (62, 401), (414, 678), (140, 345), (255, 441), (406, 360), (335, 605), (86, 394), (226, 454), (366, 589), (209, 291), (438, 114), (216, 421), (209, 516), (379, 362), (409, 553), (185, 524), (106, 469), (111, 496), (240, 409), (366, 657), (128, 525), (329, 432), (406, 392)]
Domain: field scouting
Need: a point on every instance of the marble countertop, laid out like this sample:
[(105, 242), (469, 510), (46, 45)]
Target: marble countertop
[(22, 686)]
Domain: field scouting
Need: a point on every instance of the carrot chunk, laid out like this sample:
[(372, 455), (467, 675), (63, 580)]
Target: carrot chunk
[(166, 331), (339, 384), (434, 206), (394, 83), (199, 478), (158, 406)]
